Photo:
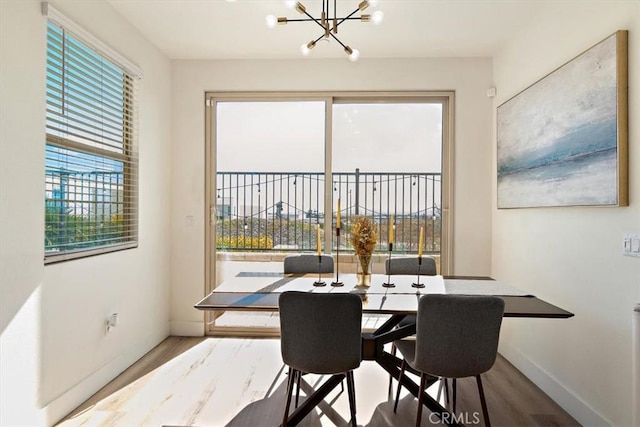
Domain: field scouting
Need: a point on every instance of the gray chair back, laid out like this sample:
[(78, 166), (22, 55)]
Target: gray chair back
[(410, 266), (302, 264), (457, 335), (321, 333)]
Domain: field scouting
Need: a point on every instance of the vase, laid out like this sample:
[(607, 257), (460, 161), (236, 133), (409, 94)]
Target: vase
[(364, 263), (363, 275), (363, 279)]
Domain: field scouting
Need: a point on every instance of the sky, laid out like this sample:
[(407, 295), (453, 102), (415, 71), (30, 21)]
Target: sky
[(289, 137)]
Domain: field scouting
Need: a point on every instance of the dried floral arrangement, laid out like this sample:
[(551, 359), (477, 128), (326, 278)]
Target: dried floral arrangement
[(364, 237)]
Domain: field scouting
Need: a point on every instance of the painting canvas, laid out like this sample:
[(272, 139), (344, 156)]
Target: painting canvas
[(563, 140)]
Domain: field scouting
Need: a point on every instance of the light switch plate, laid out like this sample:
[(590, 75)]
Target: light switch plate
[(631, 244)]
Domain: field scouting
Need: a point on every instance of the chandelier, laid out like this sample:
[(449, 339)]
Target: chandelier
[(328, 22)]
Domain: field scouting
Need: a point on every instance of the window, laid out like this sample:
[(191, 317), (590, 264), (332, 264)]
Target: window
[(91, 165)]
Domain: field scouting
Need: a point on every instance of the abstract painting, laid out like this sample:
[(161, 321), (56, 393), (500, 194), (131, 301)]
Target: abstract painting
[(563, 140)]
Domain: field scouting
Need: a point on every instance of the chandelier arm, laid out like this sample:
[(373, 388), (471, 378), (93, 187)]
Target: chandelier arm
[(300, 20), (357, 18), (313, 19), (349, 16), (338, 40)]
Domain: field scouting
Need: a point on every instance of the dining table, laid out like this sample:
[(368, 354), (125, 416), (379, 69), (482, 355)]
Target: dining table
[(259, 291)]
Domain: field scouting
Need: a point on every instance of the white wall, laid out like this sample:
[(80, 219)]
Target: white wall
[(472, 208), (54, 353), (572, 256)]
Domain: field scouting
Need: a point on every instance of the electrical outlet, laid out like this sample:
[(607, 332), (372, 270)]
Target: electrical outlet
[(111, 322)]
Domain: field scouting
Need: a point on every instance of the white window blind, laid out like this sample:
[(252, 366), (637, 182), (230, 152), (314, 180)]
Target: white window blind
[(91, 181)]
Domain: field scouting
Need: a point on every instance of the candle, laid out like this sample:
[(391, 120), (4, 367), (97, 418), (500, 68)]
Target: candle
[(319, 242), (421, 242), (338, 215), (391, 227)]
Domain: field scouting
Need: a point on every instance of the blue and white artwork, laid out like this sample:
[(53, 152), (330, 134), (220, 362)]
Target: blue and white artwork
[(558, 139)]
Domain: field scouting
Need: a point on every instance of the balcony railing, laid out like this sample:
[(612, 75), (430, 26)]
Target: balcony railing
[(84, 210), (264, 211)]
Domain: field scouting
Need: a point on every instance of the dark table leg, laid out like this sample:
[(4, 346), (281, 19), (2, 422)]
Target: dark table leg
[(313, 400)]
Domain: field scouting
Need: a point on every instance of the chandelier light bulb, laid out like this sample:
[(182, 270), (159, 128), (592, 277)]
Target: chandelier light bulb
[(272, 21), (291, 4), (374, 3), (306, 49), (354, 54), (377, 17)]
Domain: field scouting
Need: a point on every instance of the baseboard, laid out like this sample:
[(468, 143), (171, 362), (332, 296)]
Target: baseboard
[(76, 395), (181, 328), (564, 397)]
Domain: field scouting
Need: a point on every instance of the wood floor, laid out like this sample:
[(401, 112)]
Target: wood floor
[(241, 382)]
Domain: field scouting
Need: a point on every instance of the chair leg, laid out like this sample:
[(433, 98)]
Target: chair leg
[(454, 395), (289, 392), (351, 391), (483, 402), (446, 392), (423, 381), (299, 374), (393, 353), (395, 405)]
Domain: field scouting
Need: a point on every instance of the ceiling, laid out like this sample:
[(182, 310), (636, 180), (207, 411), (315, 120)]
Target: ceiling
[(218, 29)]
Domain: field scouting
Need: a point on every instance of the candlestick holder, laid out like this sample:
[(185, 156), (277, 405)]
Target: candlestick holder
[(337, 281), (319, 282), (389, 283), (417, 284)]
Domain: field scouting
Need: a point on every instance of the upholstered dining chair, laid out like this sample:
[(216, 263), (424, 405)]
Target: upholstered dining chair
[(302, 264), (408, 266), (321, 334), (456, 337)]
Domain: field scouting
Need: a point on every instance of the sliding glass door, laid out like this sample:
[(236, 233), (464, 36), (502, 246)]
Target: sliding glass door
[(277, 164)]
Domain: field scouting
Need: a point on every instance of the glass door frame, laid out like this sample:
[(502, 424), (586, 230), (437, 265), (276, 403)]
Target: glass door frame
[(447, 100)]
